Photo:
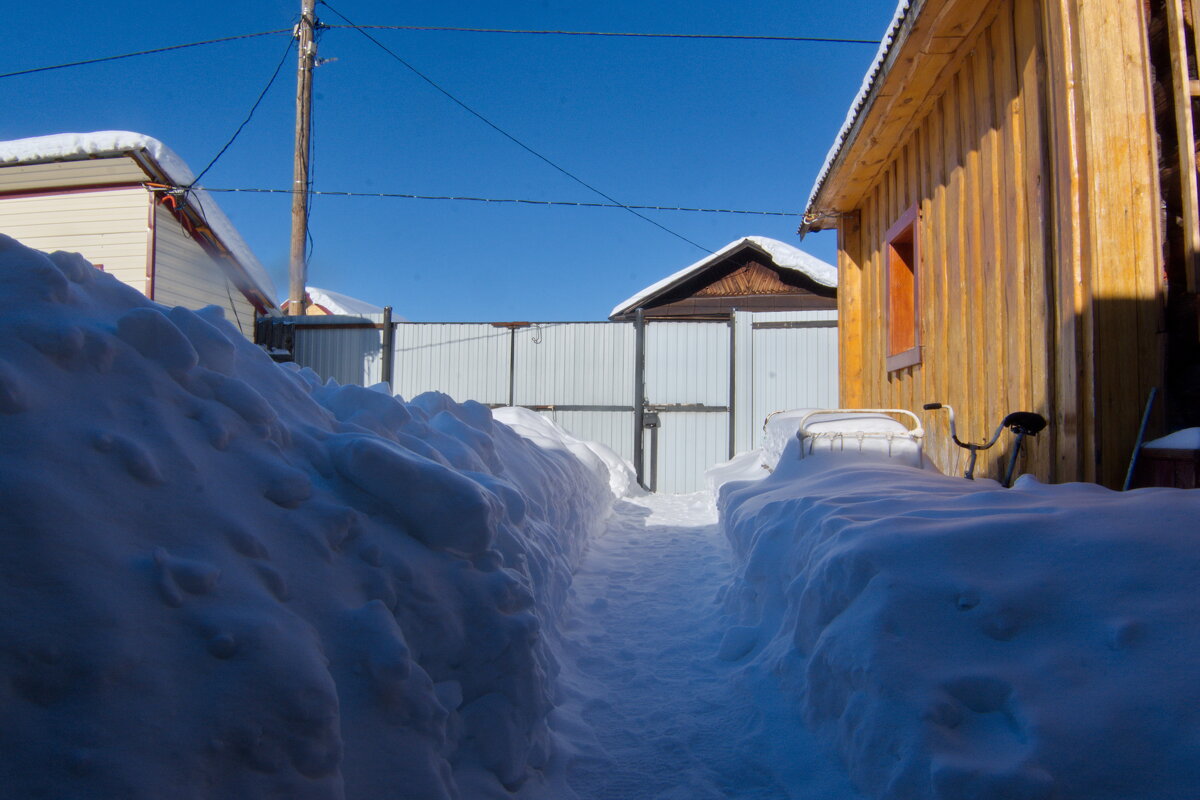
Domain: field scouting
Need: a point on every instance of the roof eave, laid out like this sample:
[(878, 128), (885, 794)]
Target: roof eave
[(817, 211)]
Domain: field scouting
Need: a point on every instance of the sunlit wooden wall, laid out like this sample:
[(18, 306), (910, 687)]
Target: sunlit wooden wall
[(1034, 172)]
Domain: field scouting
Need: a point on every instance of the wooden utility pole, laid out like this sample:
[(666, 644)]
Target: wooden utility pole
[(307, 48)]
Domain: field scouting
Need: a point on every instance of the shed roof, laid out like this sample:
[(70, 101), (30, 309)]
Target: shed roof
[(781, 255), (160, 164), (865, 95), (340, 304), (920, 52)]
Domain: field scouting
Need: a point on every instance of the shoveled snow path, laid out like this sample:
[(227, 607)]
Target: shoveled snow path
[(650, 710)]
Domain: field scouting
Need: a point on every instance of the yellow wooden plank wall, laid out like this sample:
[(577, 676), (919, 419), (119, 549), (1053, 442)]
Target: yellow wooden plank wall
[(1037, 243)]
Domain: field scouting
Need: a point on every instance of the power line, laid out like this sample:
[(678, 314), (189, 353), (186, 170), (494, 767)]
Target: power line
[(246, 121), (508, 135), (577, 204), (811, 39), (145, 52)]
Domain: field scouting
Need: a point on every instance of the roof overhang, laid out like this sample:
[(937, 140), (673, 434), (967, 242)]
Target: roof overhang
[(160, 167), (914, 61), (778, 253)]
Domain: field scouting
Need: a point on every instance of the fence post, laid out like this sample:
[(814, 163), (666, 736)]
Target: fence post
[(388, 345), (639, 396), (512, 364), (733, 343)]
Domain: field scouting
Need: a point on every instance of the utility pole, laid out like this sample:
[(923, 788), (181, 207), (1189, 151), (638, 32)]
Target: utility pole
[(307, 49)]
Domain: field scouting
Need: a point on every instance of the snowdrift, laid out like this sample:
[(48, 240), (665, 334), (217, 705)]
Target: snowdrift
[(222, 578), (957, 640)]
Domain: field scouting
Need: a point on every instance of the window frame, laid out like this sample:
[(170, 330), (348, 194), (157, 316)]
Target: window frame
[(907, 259)]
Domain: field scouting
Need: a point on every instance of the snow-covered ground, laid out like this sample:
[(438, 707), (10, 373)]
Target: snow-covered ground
[(225, 578), (953, 639), (222, 578), (654, 705)]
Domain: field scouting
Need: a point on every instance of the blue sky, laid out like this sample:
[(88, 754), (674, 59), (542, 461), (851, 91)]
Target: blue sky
[(724, 124)]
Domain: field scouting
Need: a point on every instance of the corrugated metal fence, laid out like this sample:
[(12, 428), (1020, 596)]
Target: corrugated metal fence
[(674, 398)]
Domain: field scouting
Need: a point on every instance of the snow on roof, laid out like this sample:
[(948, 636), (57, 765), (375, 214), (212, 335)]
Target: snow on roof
[(782, 255), (338, 303), (875, 71), (98, 144)]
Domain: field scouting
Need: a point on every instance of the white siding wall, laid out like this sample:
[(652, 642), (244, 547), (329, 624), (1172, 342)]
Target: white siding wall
[(108, 227), (185, 275)]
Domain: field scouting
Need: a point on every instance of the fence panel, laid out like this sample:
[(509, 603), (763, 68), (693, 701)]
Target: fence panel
[(687, 363), (711, 384), (794, 362), (688, 385), (575, 364), (346, 349), (468, 361)]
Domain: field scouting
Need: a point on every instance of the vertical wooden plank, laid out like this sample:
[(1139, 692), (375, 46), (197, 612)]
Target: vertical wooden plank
[(1038, 292), (911, 199), (992, 366), (850, 311), (929, 266), (1073, 376), (875, 276), (953, 331), (1009, 114), (1185, 131), (973, 402), (938, 225), (1122, 220)]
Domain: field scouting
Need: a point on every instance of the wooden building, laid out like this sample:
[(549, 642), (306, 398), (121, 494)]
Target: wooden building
[(1017, 228), (751, 274), (116, 197)]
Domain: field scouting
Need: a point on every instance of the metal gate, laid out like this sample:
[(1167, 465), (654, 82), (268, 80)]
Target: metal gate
[(673, 398)]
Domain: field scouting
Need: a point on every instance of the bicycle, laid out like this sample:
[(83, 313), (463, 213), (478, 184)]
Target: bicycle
[(1021, 423)]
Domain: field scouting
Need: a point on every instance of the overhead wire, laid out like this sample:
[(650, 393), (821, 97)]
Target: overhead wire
[(434, 28), (102, 59), (287, 51), (717, 36), (575, 203), (508, 135)]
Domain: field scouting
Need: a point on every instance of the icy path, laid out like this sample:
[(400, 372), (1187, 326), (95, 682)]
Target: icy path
[(650, 710)]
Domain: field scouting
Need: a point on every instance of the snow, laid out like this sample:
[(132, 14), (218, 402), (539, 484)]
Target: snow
[(1186, 439), (874, 73), (344, 304), (952, 639), (839, 433), (224, 578), (781, 254), (75, 146), (657, 700)]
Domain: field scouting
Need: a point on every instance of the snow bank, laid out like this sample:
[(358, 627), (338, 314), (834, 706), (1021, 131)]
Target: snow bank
[(599, 458), (841, 434), (222, 578), (953, 639), (1186, 439)]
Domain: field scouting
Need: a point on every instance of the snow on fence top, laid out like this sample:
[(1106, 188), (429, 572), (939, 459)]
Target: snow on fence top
[(100, 144), (782, 255)]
